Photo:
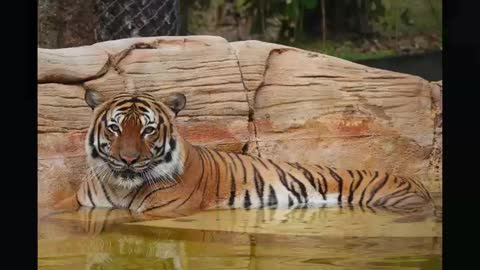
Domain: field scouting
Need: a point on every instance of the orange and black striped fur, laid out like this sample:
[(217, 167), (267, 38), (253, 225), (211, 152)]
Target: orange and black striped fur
[(140, 162)]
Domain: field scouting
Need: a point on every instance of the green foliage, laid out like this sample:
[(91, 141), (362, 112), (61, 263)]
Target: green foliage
[(409, 17), (376, 9), (309, 4), (294, 15), (385, 16), (342, 50), (299, 22)]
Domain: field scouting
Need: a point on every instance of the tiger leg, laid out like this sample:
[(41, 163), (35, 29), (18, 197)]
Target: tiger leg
[(70, 203)]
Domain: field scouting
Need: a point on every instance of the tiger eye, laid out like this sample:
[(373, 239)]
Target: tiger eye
[(114, 128), (148, 130)]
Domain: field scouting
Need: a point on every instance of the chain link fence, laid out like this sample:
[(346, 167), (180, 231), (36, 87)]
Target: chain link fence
[(136, 18)]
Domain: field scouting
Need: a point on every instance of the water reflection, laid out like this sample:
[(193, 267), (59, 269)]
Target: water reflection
[(360, 221), (329, 238)]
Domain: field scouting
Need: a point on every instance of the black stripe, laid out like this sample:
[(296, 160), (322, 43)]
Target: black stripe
[(320, 190), (158, 108), (120, 110), (246, 200), (210, 164), (91, 137), (363, 193), (292, 165), (339, 181), (324, 181), (162, 146), (295, 193), (94, 153), (307, 174), (157, 150), (303, 190), (352, 191), (132, 100), (231, 200), (106, 194), (281, 175), (350, 194), (168, 157), (150, 194), (94, 190), (243, 168), (104, 121), (386, 198), (290, 201), (421, 187), (160, 119), (161, 205), (134, 196), (404, 198), (90, 195), (164, 142), (283, 179), (78, 201), (272, 197), (261, 161), (259, 184), (203, 162), (144, 110), (173, 144), (320, 167), (377, 188), (217, 171), (198, 149), (233, 162)]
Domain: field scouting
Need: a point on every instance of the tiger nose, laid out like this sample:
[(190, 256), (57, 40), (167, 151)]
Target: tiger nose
[(129, 159)]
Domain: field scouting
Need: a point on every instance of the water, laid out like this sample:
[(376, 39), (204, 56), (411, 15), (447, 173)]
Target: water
[(427, 66), (329, 238)]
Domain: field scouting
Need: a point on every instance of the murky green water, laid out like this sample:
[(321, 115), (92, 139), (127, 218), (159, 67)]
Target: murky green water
[(329, 238)]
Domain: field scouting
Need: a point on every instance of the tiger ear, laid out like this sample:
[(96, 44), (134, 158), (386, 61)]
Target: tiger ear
[(93, 98), (176, 102)]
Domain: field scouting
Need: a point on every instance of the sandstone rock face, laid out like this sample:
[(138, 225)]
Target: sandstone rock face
[(264, 99)]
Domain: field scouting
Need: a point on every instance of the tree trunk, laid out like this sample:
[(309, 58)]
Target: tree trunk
[(324, 26)]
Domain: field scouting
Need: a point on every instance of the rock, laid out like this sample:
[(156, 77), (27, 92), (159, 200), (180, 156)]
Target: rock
[(420, 42), (260, 98)]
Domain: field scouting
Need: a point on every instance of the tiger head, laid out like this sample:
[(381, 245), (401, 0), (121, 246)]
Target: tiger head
[(131, 139)]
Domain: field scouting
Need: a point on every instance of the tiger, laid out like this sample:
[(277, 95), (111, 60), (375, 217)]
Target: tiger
[(139, 161)]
